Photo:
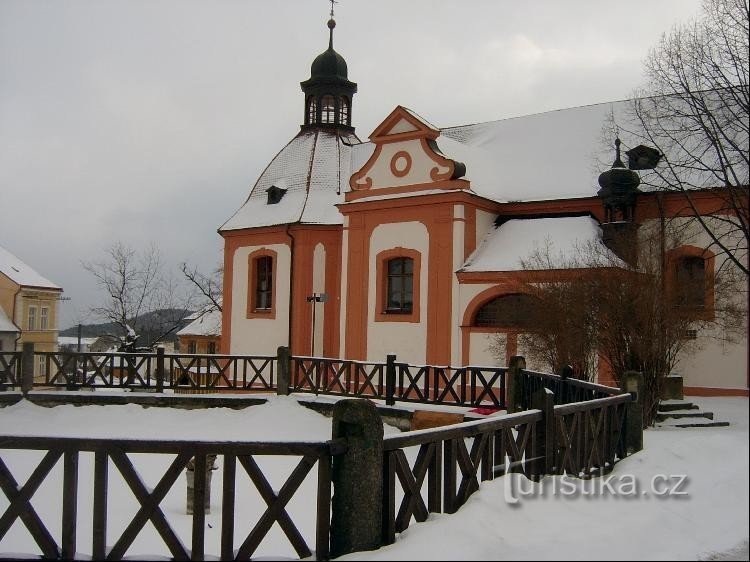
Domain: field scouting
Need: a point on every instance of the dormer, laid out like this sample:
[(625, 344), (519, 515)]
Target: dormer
[(275, 194), (406, 158)]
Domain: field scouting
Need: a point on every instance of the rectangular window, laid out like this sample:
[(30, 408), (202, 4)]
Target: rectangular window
[(31, 324), (264, 283), (42, 363), (44, 318), (211, 347), (690, 277), (191, 347), (400, 294)]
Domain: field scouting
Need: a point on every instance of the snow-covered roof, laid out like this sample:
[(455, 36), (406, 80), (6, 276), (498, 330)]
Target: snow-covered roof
[(207, 324), (550, 155), (506, 246), (73, 340), (5, 324), (21, 273), (553, 155), (314, 168)]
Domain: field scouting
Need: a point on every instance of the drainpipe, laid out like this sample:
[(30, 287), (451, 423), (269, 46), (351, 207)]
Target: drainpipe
[(291, 284), (20, 330)]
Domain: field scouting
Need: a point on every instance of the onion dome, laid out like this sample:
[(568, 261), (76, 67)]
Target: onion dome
[(619, 190), (328, 91)]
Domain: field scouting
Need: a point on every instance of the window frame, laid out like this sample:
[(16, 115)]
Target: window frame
[(44, 318), (382, 314), (328, 112), (31, 318), (252, 311), (675, 257)]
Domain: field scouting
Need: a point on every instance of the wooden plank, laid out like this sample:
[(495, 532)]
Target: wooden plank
[(199, 509), (69, 504), (323, 516), (99, 523), (389, 497), (434, 478), (461, 430), (449, 479), (227, 507)]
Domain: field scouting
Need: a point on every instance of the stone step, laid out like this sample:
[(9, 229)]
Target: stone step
[(702, 424), (661, 416), (673, 405)]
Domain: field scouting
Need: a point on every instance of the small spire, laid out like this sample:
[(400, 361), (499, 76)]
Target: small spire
[(618, 162)]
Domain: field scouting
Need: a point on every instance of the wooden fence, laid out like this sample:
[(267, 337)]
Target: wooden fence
[(567, 427), (108, 452), (392, 380)]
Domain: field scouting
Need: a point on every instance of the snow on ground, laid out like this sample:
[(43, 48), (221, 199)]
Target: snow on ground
[(504, 521)]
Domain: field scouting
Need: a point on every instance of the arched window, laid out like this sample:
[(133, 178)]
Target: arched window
[(690, 282), (261, 282), (507, 311), (328, 113), (400, 286), (344, 110), (312, 110)]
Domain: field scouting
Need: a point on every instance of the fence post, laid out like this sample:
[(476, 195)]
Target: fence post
[(544, 434), (514, 384), (632, 382), (283, 375), (27, 367), (390, 380), (357, 476), (160, 368)]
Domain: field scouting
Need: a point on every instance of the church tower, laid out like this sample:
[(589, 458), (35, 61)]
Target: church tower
[(328, 91)]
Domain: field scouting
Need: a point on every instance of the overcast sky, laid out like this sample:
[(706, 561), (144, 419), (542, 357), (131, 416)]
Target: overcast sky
[(149, 121)]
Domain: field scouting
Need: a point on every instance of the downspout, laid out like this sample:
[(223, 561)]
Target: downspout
[(292, 240), (291, 284), (20, 331)]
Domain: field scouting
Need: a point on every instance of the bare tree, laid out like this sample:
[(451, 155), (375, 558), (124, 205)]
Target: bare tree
[(140, 301), (694, 110), (596, 306), (209, 287)]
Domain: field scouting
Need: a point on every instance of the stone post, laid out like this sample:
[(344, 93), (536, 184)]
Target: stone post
[(514, 384), (190, 476), (357, 476), (283, 373), (27, 367), (632, 382)]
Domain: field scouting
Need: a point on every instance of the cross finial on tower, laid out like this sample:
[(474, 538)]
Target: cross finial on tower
[(331, 24)]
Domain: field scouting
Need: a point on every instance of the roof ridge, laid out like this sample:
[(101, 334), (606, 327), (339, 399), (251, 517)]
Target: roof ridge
[(443, 129)]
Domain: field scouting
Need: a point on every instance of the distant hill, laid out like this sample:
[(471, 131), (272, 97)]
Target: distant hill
[(147, 326)]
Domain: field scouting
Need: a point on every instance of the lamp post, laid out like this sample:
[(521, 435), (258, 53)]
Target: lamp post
[(315, 298)]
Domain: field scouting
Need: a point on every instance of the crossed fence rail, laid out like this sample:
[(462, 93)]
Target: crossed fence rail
[(567, 427)]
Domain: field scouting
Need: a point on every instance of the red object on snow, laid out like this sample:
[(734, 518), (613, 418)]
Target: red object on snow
[(486, 411)]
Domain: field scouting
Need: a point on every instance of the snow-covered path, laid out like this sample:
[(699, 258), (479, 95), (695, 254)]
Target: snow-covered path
[(508, 519)]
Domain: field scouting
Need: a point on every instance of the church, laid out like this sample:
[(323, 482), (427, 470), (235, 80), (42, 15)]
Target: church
[(412, 242)]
